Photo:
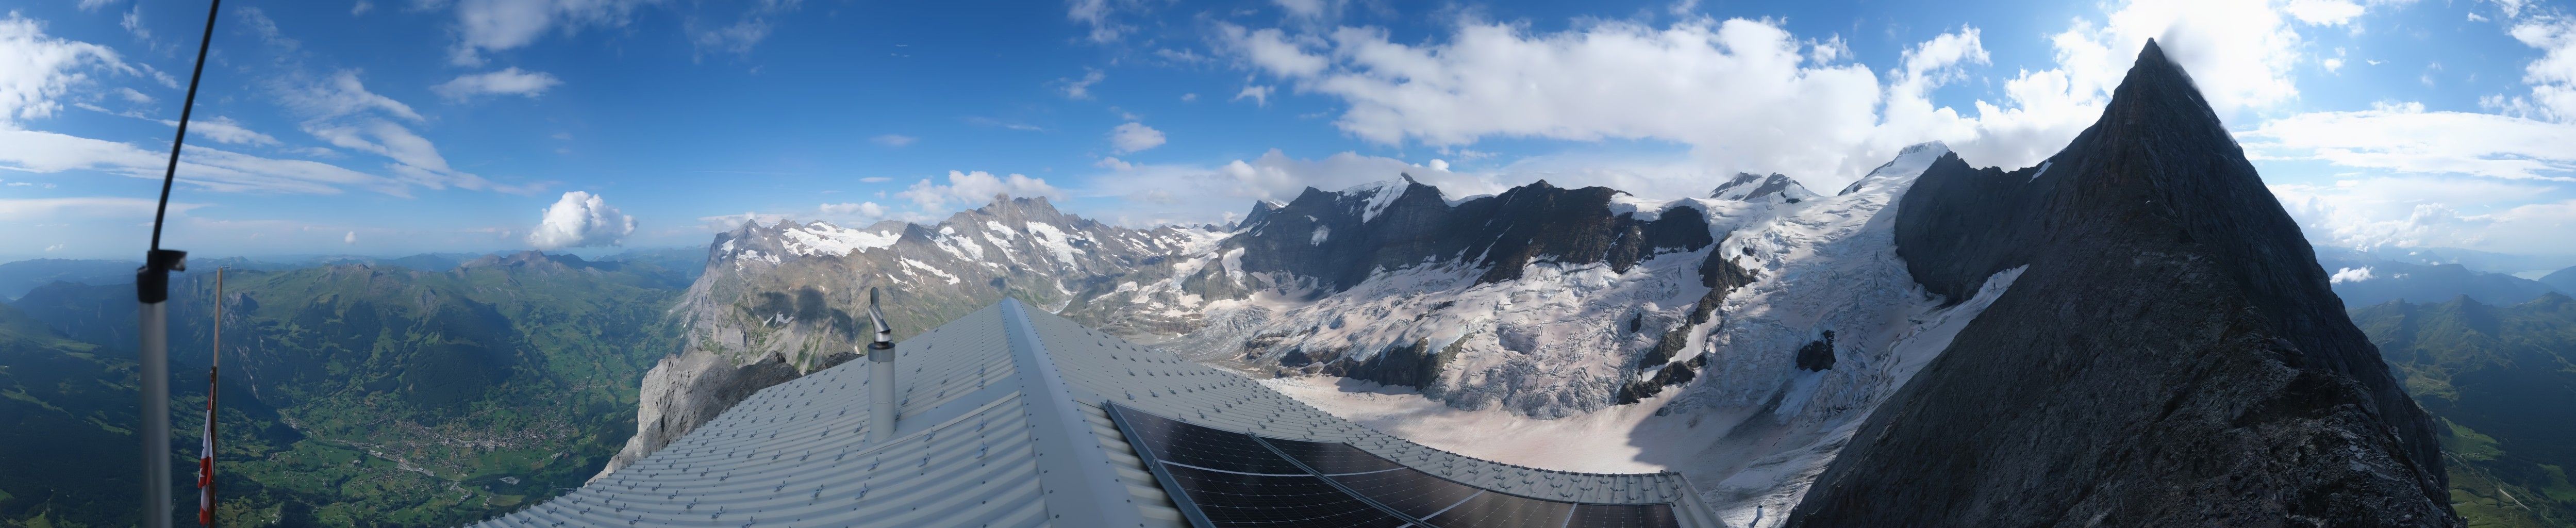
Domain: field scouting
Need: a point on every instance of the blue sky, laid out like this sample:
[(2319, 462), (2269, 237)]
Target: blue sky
[(393, 127)]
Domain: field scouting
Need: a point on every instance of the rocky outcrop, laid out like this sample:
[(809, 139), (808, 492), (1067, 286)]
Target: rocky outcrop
[(686, 390), (1340, 239), (2171, 356)]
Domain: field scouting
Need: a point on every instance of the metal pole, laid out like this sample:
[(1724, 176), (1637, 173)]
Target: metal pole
[(152, 291), (881, 375), (152, 287)]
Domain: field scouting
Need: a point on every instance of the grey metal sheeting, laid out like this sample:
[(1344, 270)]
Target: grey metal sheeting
[(972, 447)]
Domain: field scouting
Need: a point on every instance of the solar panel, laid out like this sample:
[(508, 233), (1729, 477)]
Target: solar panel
[(1332, 458), (1501, 510), (1235, 499), (1622, 516), (1228, 479), (1182, 443), (1408, 491)]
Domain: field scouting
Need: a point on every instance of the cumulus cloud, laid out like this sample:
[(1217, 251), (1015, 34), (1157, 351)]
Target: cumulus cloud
[(581, 219), (350, 239), (2552, 77), (976, 188), (507, 81), (1134, 137), (41, 69), (2345, 275), (1804, 113)]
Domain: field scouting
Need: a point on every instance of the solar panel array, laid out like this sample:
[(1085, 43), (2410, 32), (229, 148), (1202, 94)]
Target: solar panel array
[(1228, 479)]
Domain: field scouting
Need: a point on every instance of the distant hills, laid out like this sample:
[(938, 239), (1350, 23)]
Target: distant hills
[(356, 393), (2365, 279), (2501, 381)]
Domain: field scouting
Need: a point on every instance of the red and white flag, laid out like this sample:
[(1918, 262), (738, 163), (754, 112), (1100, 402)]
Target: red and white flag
[(206, 459)]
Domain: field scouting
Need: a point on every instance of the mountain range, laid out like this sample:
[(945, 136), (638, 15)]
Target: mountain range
[(2132, 332)]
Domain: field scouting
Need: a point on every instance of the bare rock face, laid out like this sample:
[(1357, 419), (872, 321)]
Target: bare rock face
[(687, 390), (2170, 357)]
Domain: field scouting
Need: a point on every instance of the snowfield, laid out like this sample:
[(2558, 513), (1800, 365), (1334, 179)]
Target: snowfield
[(1539, 358)]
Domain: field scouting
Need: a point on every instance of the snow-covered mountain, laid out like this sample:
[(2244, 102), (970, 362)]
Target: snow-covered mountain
[(1763, 326), (1785, 311)]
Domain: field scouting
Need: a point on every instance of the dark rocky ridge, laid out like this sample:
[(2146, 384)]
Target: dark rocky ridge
[(2171, 357), (1501, 233)]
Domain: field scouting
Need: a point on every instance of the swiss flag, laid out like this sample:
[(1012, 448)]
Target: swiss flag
[(206, 459)]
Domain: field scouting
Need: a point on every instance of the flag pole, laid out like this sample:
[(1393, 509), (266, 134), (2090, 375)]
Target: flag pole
[(152, 293), (206, 456)]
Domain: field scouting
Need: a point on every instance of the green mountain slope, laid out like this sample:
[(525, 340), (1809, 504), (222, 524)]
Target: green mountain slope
[(400, 396), (2503, 381)]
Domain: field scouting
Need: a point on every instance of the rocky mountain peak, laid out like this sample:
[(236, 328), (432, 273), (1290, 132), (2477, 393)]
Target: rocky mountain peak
[(1747, 186), (2169, 350)]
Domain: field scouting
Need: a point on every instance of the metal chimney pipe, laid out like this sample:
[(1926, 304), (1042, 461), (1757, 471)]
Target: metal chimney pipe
[(881, 380)]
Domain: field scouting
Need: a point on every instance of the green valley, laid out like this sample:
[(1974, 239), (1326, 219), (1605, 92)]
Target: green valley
[(2501, 380), (354, 394)]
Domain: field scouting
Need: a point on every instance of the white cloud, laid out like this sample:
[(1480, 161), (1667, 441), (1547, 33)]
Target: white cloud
[(1114, 164), (1273, 51), (1103, 16), (39, 69), (1081, 88), (1260, 95), (976, 188), (350, 239), (581, 219), (894, 140), (2345, 275), (1794, 108), (2323, 12), (2332, 65), (209, 168), (224, 130), (341, 94), (496, 25), (508, 81), (1134, 137), (861, 209), (747, 31), (2405, 138), (94, 5), (2430, 211), (2552, 76), (1161, 194), (876, 179), (1189, 97), (1301, 8), (38, 210), (133, 96)]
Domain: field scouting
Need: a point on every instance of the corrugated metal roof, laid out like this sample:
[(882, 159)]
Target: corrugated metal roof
[(1000, 425)]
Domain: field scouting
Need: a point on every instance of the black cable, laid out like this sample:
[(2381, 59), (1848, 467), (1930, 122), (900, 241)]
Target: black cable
[(186, 107)]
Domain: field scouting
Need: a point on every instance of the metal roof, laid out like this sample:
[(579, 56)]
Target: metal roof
[(1001, 424)]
